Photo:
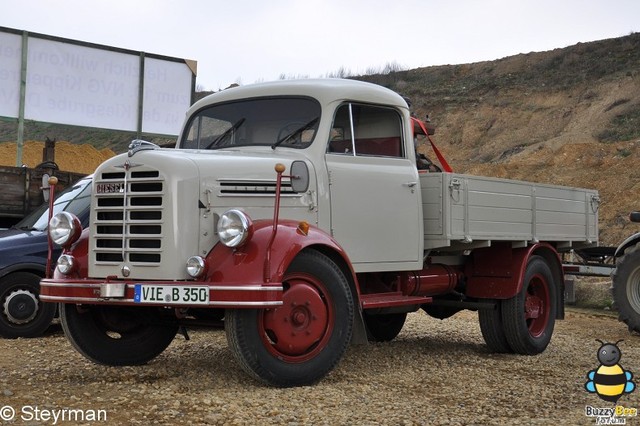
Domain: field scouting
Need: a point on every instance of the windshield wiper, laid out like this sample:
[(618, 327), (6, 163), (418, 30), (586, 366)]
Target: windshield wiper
[(227, 132), (295, 132)]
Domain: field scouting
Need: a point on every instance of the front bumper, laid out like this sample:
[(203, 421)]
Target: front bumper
[(117, 292)]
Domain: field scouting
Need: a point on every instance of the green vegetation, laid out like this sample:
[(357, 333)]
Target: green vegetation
[(623, 127)]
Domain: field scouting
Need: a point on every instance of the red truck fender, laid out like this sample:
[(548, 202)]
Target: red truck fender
[(497, 272), (246, 264), (80, 251)]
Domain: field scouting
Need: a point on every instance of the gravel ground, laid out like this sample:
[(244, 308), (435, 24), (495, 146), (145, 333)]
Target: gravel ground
[(434, 372)]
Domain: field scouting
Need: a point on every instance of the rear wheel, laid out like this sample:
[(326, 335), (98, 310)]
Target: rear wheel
[(626, 287), (22, 314), (529, 317), (299, 342), (383, 327), (117, 335), (493, 330)]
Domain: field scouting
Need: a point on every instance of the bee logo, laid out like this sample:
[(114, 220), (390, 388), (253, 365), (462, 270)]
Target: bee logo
[(609, 381)]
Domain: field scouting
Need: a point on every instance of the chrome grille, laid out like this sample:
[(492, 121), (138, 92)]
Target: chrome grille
[(128, 222)]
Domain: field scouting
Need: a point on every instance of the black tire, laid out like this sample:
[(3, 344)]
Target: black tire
[(383, 327), (22, 314), (114, 335), (300, 342), (626, 287), (529, 317), (492, 329)]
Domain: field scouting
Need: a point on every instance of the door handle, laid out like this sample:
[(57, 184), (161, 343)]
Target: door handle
[(410, 184)]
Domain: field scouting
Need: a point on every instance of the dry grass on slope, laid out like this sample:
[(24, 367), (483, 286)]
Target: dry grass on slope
[(69, 157)]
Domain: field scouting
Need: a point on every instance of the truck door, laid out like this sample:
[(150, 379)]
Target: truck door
[(375, 193)]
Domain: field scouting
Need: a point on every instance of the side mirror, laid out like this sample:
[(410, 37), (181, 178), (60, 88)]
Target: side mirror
[(299, 176)]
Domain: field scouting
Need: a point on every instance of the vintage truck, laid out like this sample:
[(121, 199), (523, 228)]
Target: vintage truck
[(297, 207)]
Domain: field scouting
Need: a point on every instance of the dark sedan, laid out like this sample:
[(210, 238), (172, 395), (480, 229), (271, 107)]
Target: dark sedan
[(23, 260)]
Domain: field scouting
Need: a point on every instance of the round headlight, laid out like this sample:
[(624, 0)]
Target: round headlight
[(234, 228), (66, 264), (196, 266), (64, 229)]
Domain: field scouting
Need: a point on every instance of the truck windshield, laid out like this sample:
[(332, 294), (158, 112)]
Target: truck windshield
[(281, 121), (75, 199)]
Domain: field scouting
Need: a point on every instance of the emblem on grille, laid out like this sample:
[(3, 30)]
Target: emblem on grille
[(128, 165), (125, 271), (109, 188)]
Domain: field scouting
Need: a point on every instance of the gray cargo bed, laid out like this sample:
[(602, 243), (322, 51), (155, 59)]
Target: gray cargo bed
[(464, 212)]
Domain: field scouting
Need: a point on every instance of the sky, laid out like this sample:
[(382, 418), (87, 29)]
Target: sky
[(249, 41)]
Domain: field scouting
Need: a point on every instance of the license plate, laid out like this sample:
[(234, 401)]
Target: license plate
[(169, 294)]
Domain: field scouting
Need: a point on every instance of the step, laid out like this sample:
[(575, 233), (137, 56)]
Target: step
[(388, 300)]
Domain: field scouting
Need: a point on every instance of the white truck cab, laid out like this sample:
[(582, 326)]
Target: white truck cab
[(357, 140)]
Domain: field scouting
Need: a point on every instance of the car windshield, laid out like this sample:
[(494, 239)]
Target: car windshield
[(75, 199), (280, 121)]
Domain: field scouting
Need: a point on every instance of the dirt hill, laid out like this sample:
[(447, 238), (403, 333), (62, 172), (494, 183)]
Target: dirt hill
[(568, 116)]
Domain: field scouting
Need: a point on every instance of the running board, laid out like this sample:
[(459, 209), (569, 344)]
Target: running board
[(390, 300)]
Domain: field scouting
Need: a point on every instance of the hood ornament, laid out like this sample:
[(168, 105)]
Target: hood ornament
[(140, 145)]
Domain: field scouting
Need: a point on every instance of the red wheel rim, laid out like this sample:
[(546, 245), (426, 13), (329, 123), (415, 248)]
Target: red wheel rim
[(299, 329), (536, 305)]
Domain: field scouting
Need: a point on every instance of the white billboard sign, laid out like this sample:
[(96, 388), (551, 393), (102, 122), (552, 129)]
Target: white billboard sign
[(70, 84), (10, 60), (167, 95), (87, 85)]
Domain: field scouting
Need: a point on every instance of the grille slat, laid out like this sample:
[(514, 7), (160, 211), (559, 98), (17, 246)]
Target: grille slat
[(110, 202), (129, 219), (253, 188)]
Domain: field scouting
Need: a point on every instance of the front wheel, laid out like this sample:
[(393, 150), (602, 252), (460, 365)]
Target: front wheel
[(115, 335), (529, 317), (298, 343), (626, 287), (22, 314)]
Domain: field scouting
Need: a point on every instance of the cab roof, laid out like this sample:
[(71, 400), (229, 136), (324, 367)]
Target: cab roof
[(326, 91)]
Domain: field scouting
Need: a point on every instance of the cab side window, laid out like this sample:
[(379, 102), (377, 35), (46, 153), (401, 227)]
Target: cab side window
[(366, 130)]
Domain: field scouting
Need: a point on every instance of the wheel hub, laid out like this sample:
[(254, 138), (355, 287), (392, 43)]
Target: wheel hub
[(20, 307), (536, 305), (299, 323), (533, 307)]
